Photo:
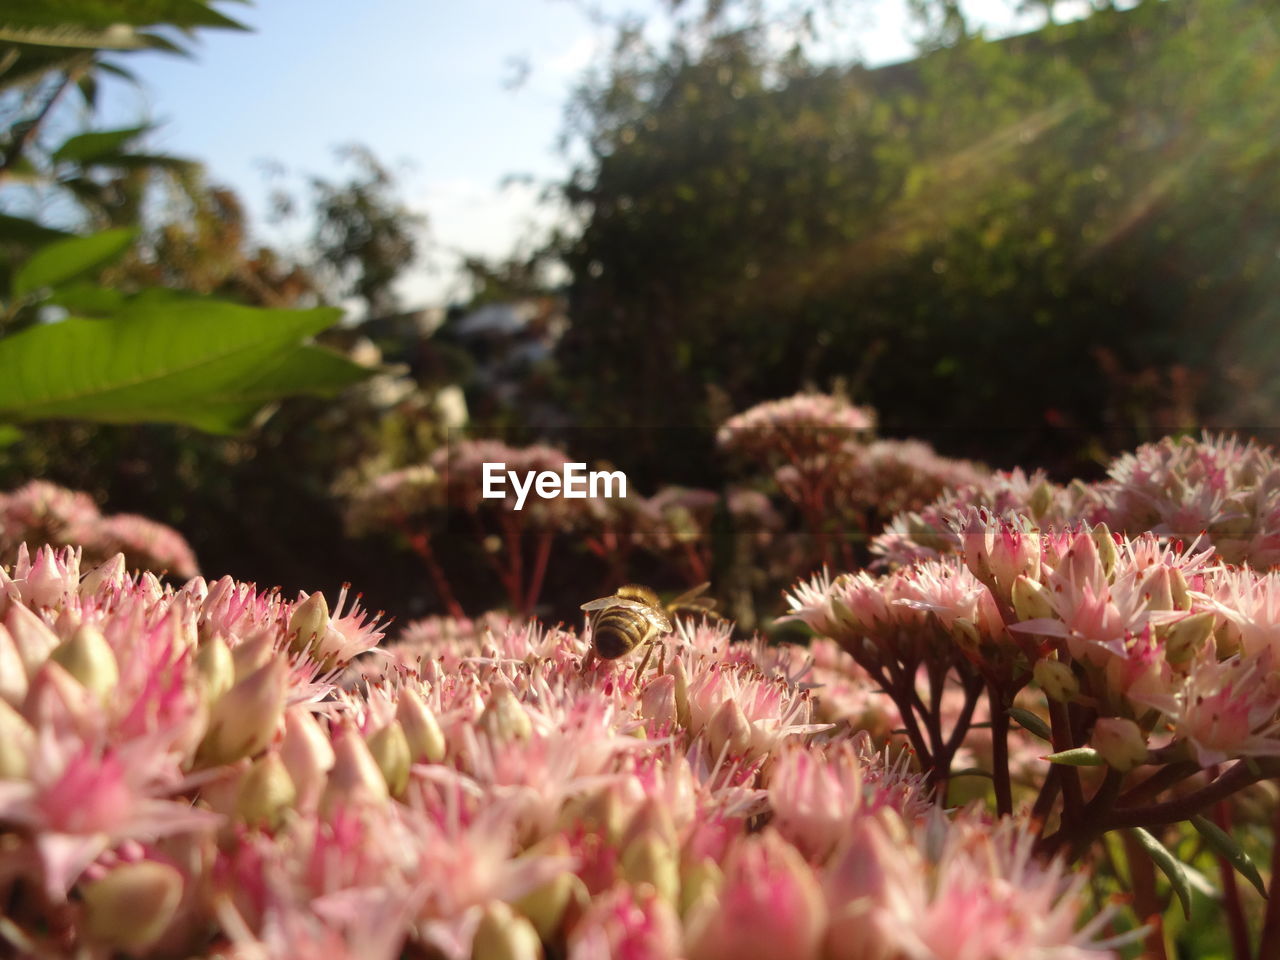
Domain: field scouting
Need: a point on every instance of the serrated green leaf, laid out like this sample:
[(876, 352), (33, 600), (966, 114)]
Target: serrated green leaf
[(87, 147), (1169, 865), (1031, 722), (205, 363), (67, 259), (1078, 757), (186, 14), (1225, 845)]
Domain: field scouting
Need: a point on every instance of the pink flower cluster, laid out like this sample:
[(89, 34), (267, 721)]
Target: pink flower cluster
[(1217, 487), (1150, 659), (184, 773), (44, 513)]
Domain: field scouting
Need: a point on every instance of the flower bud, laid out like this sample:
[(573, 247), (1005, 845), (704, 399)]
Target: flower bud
[(307, 622), (13, 674), (699, 882), (965, 633), (1057, 680), (89, 658), (1120, 742), (729, 729), (505, 935), (252, 652), (658, 700), (649, 859), (16, 738), (421, 729), (33, 638), (245, 718), (1106, 544), (676, 669), (1187, 637), (390, 751), (108, 575), (216, 668), (1030, 599), (266, 792), (1014, 552), (355, 777), (308, 756), (1041, 499), (504, 718), (545, 906), (130, 907)]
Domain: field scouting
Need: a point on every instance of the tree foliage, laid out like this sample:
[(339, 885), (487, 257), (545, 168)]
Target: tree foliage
[(1083, 218)]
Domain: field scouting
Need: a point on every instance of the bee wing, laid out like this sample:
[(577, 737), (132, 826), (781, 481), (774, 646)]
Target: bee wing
[(694, 598), (656, 617), (608, 602)]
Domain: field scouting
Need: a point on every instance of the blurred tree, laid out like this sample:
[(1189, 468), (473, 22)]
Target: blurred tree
[(365, 237), (978, 225)]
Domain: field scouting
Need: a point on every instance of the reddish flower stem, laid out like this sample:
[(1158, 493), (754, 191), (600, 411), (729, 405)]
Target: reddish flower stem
[(539, 570), (1000, 751), (421, 545)]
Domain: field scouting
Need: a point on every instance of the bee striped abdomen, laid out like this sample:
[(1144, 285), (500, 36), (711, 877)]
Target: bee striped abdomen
[(618, 631)]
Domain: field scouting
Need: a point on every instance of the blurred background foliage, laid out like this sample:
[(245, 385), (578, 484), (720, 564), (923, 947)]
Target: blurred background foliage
[(1036, 250)]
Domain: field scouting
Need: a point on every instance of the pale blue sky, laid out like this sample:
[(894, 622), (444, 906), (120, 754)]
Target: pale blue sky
[(416, 80)]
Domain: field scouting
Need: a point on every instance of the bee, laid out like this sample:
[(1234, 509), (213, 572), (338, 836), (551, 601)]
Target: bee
[(634, 616)]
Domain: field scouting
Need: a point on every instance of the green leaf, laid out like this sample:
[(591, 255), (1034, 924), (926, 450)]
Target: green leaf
[(88, 300), (1031, 722), (87, 147), (1079, 757), (62, 261), (1225, 846), (118, 36), (164, 359), (9, 435), (1169, 865)]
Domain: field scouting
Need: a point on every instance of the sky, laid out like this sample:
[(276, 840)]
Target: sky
[(426, 84)]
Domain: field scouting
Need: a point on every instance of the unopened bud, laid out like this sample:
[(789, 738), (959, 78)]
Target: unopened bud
[(1120, 742), (1106, 545), (658, 699), (308, 756), (421, 729), (109, 574), (676, 669), (1187, 637), (390, 750), (252, 652), (504, 718), (89, 658), (130, 907), (505, 935), (13, 674), (266, 792), (245, 718), (1057, 680), (216, 668), (1178, 586), (729, 729), (698, 882), (31, 635), (545, 906), (649, 859), (1041, 499), (1030, 599), (16, 738), (966, 634), (355, 777), (307, 622)]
